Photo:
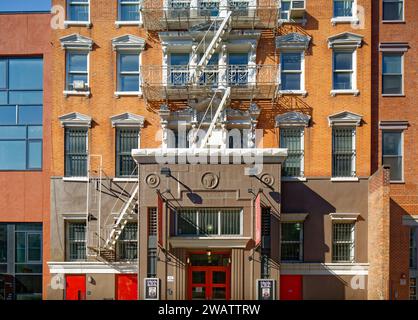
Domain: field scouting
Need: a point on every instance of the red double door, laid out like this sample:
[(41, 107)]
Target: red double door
[(75, 287), (291, 287), (209, 283)]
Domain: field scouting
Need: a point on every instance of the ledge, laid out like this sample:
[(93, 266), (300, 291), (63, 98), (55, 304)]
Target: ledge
[(125, 179), (86, 24), (209, 242), (348, 179), (341, 269), (118, 24), (344, 216), (83, 267), (118, 94), (346, 92), (293, 217), (294, 179), (75, 179), (302, 93), (338, 20), (386, 95), (76, 93)]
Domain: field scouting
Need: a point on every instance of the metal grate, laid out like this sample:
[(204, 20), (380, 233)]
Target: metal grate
[(291, 241), (343, 153), (291, 138), (76, 152), (152, 222), (413, 248), (76, 238), (127, 139), (127, 244), (343, 242), (265, 222)]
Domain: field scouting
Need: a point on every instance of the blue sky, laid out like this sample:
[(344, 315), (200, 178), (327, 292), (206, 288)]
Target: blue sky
[(25, 5)]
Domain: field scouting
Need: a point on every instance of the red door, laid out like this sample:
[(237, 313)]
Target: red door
[(291, 288), (75, 288), (126, 287), (209, 283)]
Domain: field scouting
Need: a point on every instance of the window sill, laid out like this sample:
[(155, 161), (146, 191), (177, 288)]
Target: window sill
[(293, 21), (398, 95), (76, 93), (348, 92), (397, 182), (293, 179), (86, 24), (348, 179), (75, 179), (125, 179), (302, 93), (118, 94), (338, 20), (119, 24), (393, 21)]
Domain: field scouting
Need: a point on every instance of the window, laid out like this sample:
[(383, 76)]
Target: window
[(238, 69), (179, 70), (343, 8), (129, 10), (238, 138), (211, 71), (392, 78), (292, 139), (343, 70), (28, 251), (78, 10), (127, 244), (413, 248), (179, 8), (239, 7), (393, 153), (343, 152), (77, 71), (76, 241), (126, 140), (291, 71), (209, 8), (3, 246), (21, 112), (128, 72), (343, 242), (285, 8), (292, 241), (413, 289), (76, 153), (393, 10), (209, 222)]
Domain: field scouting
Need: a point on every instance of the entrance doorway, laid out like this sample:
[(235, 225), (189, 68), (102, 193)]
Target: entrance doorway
[(209, 276), (291, 287), (75, 288), (126, 287)]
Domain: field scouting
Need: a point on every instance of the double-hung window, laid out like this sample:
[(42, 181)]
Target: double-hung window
[(343, 8), (76, 151), (285, 10), (291, 71), (343, 152), (21, 112), (392, 73), (179, 69), (78, 10), (343, 242), (238, 69), (291, 241), (77, 72), (209, 8), (127, 244), (343, 70), (393, 10), (392, 153), (292, 139), (126, 140), (128, 72), (128, 11), (76, 241)]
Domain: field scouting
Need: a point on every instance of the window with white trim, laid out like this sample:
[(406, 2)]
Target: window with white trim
[(77, 70), (285, 10), (393, 10), (292, 71), (128, 11), (412, 288), (76, 241), (292, 139), (392, 153), (392, 73), (127, 244), (343, 70), (78, 10), (291, 241), (343, 8), (343, 246), (128, 72), (343, 152)]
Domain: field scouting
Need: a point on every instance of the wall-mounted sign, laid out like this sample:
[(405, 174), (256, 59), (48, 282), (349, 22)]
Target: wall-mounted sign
[(152, 288), (266, 289), (170, 278)]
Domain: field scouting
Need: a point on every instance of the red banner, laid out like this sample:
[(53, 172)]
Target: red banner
[(160, 219), (258, 220)]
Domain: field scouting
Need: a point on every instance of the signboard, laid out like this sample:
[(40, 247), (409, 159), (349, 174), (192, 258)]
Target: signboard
[(266, 289), (152, 288)]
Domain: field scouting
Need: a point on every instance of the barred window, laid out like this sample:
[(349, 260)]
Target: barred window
[(76, 152), (127, 244), (152, 221), (343, 242), (292, 139), (209, 222), (292, 241), (413, 289), (127, 139), (76, 241), (343, 152), (413, 248)]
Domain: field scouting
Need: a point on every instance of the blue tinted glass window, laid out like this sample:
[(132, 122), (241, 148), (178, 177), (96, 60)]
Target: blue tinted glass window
[(3, 97), (7, 115), (3, 69), (129, 62), (77, 61), (26, 74), (25, 97), (343, 8), (238, 58), (392, 63), (12, 132), (35, 154), (128, 72), (343, 60), (35, 132), (129, 10), (12, 155), (342, 81), (129, 83), (30, 115), (291, 81), (78, 10), (179, 59), (291, 61)]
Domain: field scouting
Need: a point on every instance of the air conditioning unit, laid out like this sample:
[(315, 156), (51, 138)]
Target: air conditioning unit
[(79, 85), (297, 9)]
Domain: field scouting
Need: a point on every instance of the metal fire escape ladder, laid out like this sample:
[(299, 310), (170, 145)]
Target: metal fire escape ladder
[(123, 218), (196, 72)]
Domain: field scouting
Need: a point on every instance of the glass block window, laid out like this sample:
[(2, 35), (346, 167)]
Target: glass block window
[(292, 139), (291, 70), (77, 75), (393, 10), (393, 154), (343, 152), (76, 241), (343, 70), (78, 10), (343, 242), (209, 222), (413, 248), (343, 8), (126, 140), (413, 289), (76, 154), (127, 244), (128, 72), (21, 113), (292, 241), (392, 73), (129, 10)]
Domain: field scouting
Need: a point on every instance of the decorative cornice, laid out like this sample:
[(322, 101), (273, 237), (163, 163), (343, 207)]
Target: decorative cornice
[(345, 40), (345, 118), (128, 42), (394, 125), (293, 41), (344, 216), (293, 118), (91, 267), (76, 41), (339, 269), (127, 119), (75, 119), (394, 46)]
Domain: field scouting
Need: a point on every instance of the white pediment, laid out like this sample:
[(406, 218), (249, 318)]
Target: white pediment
[(345, 40), (76, 41), (75, 119), (127, 119), (345, 118), (292, 118), (293, 40), (128, 41)]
